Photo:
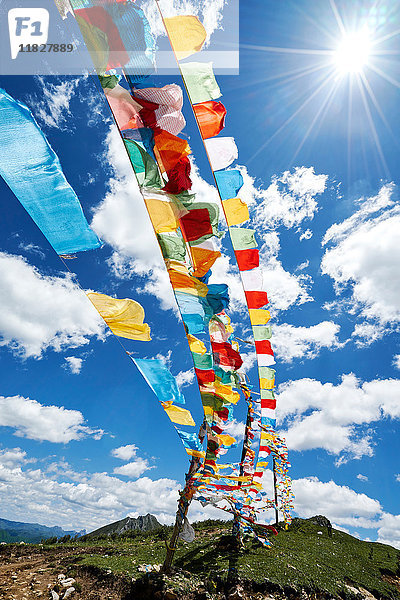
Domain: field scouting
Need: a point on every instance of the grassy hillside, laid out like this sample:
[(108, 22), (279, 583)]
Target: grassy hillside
[(302, 558)]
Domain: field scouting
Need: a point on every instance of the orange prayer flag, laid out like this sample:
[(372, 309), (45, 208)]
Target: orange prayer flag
[(169, 149), (210, 116)]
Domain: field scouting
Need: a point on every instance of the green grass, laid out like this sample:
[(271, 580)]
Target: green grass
[(299, 558)]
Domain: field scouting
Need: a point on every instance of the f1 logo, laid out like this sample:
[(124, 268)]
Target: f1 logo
[(27, 26)]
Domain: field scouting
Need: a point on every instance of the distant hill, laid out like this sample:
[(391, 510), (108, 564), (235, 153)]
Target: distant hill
[(14, 531), (142, 523)]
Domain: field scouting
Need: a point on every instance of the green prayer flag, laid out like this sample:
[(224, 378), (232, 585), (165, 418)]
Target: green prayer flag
[(267, 395), (242, 238), (200, 81), (202, 361), (108, 81), (266, 372), (172, 246), (214, 402), (144, 166), (262, 332)]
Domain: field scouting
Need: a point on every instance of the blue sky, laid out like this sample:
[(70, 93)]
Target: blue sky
[(321, 182)]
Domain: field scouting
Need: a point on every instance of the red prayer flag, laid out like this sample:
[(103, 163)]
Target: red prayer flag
[(210, 116), (225, 355), (178, 177), (247, 259), (264, 347), (99, 17), (268, 403), (256, 299), (206, 376), (196, 223)]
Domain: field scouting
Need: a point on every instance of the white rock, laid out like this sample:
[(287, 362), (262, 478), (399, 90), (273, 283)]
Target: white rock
[(54, 595), (68, 592), (319, 532), (60, 576), (67, 582)]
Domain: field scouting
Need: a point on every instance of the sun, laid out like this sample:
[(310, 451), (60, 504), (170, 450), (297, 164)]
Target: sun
[(353, 52)]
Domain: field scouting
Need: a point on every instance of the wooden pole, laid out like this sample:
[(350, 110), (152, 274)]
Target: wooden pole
[(275, 494)]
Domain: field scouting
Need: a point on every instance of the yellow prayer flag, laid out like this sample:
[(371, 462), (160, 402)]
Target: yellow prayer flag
[(267, 384), (186, 33), (226, 440), (266, 436), (178, 415), (236, 211), (124, 317), (162, 215), (259, 316), (226, 392), (196, 345), (197, 453)]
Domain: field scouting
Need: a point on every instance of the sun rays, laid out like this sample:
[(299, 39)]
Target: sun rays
[(359, 57)]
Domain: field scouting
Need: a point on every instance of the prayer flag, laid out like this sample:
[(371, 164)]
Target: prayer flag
[(236, 211), (32, 170), (222, 151), (247, 259), (159, 379), (200, 81), (242, 238), (124, 317), (186, 33), (229, 183), (210, 118)]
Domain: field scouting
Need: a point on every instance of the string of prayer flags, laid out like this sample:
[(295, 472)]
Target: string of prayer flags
[(200, 81), (32, 170), (210, 117), (222, 151), (124, 317), (186, 33), (159, 379)]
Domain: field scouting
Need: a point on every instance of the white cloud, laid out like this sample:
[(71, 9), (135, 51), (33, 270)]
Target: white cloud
[(133, 469), (362, 477), (34, 421), (53, 107), (82, 500), (235, 429), (74, 364), (336, 418), (185, 378), (338, 503), (396, 361), (40, 312), (304, 342), (389, 530), (13, 457), (363, 257), (290, 198), (306, 235), (125, 452)]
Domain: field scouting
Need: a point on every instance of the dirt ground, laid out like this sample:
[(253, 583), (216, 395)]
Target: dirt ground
[(27, 573)]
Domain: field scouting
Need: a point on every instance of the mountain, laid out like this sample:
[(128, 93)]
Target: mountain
[(14, 531), (142, 523)]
